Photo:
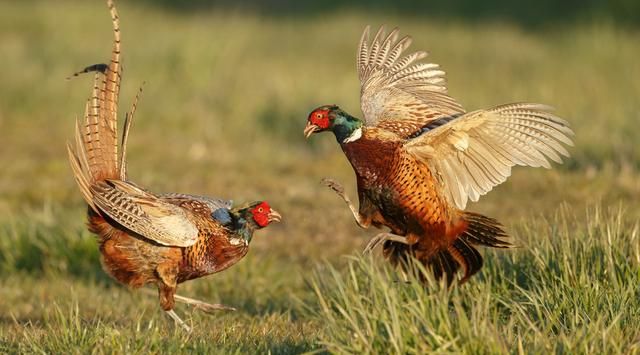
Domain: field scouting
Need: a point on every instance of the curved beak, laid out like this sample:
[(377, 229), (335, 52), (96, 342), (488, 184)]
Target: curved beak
[(274, 216), (310, 129)]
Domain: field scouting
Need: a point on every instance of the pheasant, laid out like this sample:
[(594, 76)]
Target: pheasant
[(419, 157), (147, 238)]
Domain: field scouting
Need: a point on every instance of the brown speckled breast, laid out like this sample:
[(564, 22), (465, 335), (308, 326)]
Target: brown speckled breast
[(216, 249), (404, 191)]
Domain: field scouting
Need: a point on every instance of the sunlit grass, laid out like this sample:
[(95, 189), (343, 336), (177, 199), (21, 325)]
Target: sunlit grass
[(225, 101), (570, 288)]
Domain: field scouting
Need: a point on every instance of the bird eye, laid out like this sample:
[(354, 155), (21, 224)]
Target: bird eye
[(260, 209), (318, 115)]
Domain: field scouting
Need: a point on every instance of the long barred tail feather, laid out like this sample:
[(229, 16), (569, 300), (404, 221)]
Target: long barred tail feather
[(128, 120), (95, 154)]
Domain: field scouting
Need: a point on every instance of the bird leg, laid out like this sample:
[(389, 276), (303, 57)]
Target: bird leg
[(383, 237), (361, 220), (167, 302)]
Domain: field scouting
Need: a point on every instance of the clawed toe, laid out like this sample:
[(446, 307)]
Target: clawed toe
[(179, 321), (373, 243), (383, 237), (211, 308), (333, 185), (203, 306)]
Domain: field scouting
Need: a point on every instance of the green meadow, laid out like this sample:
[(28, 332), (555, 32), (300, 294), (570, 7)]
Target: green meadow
[(226, 96)]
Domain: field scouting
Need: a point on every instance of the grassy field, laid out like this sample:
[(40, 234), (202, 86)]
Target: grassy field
[(226, 98)]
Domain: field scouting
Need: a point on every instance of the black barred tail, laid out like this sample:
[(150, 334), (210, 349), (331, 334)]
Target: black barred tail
[(480, 230), (484, 230), (461, 253)]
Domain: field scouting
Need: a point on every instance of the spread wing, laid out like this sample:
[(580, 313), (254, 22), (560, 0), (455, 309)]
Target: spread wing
[(472, 154), (398, 92), (144, 213)]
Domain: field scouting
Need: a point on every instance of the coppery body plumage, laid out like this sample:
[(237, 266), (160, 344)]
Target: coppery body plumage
[(147, 238), (419, 157)]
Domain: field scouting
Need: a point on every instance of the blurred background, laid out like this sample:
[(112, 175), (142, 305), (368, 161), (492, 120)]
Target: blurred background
[(228, 88)]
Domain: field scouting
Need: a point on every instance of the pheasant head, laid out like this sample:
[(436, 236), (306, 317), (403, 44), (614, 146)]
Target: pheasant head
[(331, 118), (247, 218)]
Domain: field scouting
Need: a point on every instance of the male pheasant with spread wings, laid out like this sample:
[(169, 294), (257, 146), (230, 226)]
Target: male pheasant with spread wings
[(147, 238), (419, 156)]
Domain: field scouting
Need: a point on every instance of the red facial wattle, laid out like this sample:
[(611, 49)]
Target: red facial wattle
[(320, 118), (261, 214)]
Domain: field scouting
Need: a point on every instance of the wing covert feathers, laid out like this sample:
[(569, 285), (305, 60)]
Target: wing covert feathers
[(475, 152), (144, 213)]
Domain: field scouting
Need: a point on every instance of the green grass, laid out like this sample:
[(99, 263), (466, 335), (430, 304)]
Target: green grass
[(570, 288), (222, 113)]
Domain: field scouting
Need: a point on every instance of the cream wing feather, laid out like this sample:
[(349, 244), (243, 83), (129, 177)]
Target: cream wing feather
[(398, 92), (475, 152)]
